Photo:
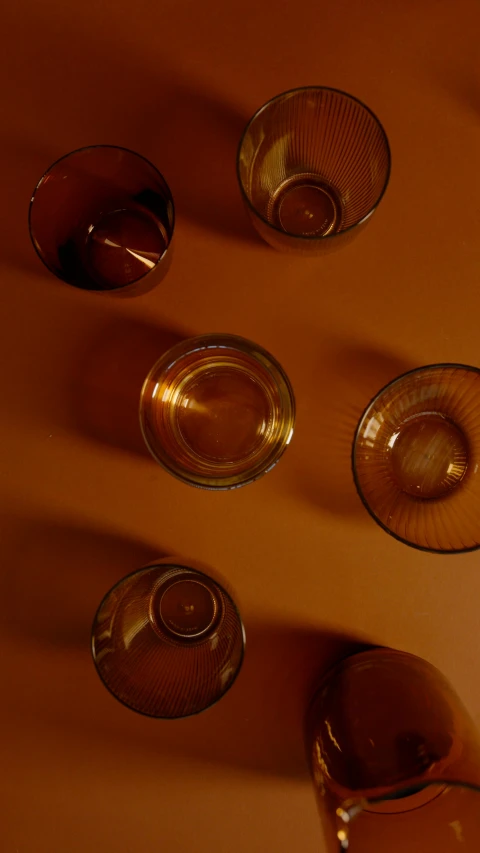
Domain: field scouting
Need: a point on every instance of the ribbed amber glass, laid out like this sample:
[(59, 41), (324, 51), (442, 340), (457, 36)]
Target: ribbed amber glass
[(416, 458), (313, 164), (168, 641)]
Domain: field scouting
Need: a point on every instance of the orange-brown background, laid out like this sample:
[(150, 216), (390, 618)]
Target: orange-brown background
[(82, 504)]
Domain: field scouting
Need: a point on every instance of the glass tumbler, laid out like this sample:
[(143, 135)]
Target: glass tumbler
[(168, 641), (217, 411), (395, 758), (416, 456), (313, 164), (102, 218)]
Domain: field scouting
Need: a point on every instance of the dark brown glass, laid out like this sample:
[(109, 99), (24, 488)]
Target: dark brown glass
[(416, 458), (102, 218), (395, 758), (168, 641), (313, 164)]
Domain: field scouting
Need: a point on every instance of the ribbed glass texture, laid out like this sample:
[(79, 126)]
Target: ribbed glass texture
[(312, 165), (168, 641), (416, 458)]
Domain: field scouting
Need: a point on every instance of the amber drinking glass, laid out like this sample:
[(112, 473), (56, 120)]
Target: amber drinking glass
[(313, 164), (416, 457), (217, 411), (102, 218), (168, 641), (395, 758)]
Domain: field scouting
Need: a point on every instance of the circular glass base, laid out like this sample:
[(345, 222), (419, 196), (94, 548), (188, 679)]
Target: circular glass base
[(188, 609), (306, 206), (429, 456)]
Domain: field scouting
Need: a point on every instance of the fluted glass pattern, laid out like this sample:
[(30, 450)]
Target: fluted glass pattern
[(313, 164), (416, 458), (167, 641)]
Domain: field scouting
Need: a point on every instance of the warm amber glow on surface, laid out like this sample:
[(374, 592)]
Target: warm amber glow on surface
[(82, 503)]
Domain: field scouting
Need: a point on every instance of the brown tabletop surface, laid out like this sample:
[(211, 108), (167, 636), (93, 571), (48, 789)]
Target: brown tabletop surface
[(82, 502)]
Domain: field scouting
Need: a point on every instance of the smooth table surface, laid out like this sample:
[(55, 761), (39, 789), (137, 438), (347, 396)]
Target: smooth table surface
[(83, 504)]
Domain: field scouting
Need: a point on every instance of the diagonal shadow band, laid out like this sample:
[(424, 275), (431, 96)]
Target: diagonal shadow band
[(60, 572), (195, 143), (105, 385), (259, 726), (189, 133), (336, 391)]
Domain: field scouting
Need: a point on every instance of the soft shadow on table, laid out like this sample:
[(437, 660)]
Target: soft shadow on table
[(194, 140), (111, 95), (259, 725), (105, 386), (461, 85), (343, 380), (55, 575), (23, 167)]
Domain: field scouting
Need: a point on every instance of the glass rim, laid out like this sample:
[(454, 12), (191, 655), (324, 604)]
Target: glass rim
[(411, 787), (350, 811), (313, 237), (81, 150), (423, 368), (202, 481), (166, 566), (366, 650), (372, 796)]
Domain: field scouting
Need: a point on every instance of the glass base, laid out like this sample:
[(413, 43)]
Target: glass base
[(429, 455), (305, 205)]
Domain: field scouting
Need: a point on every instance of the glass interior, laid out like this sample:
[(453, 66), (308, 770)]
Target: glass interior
[(395, 757), (217, 411), (102, 218), (313, 163), (416, 457)]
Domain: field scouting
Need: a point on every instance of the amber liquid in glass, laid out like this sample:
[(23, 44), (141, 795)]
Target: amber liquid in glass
[(221, 409)]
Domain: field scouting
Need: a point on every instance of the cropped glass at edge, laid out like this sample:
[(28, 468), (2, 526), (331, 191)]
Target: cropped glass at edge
[(313, 164), (217, 411), (102, 218), (395, 758), (416, 457)]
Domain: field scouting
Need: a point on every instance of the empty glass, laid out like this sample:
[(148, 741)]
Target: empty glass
[(102, 218), (313, 164), (395, 758), (168, 641), (416, 457), (217, 411)]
